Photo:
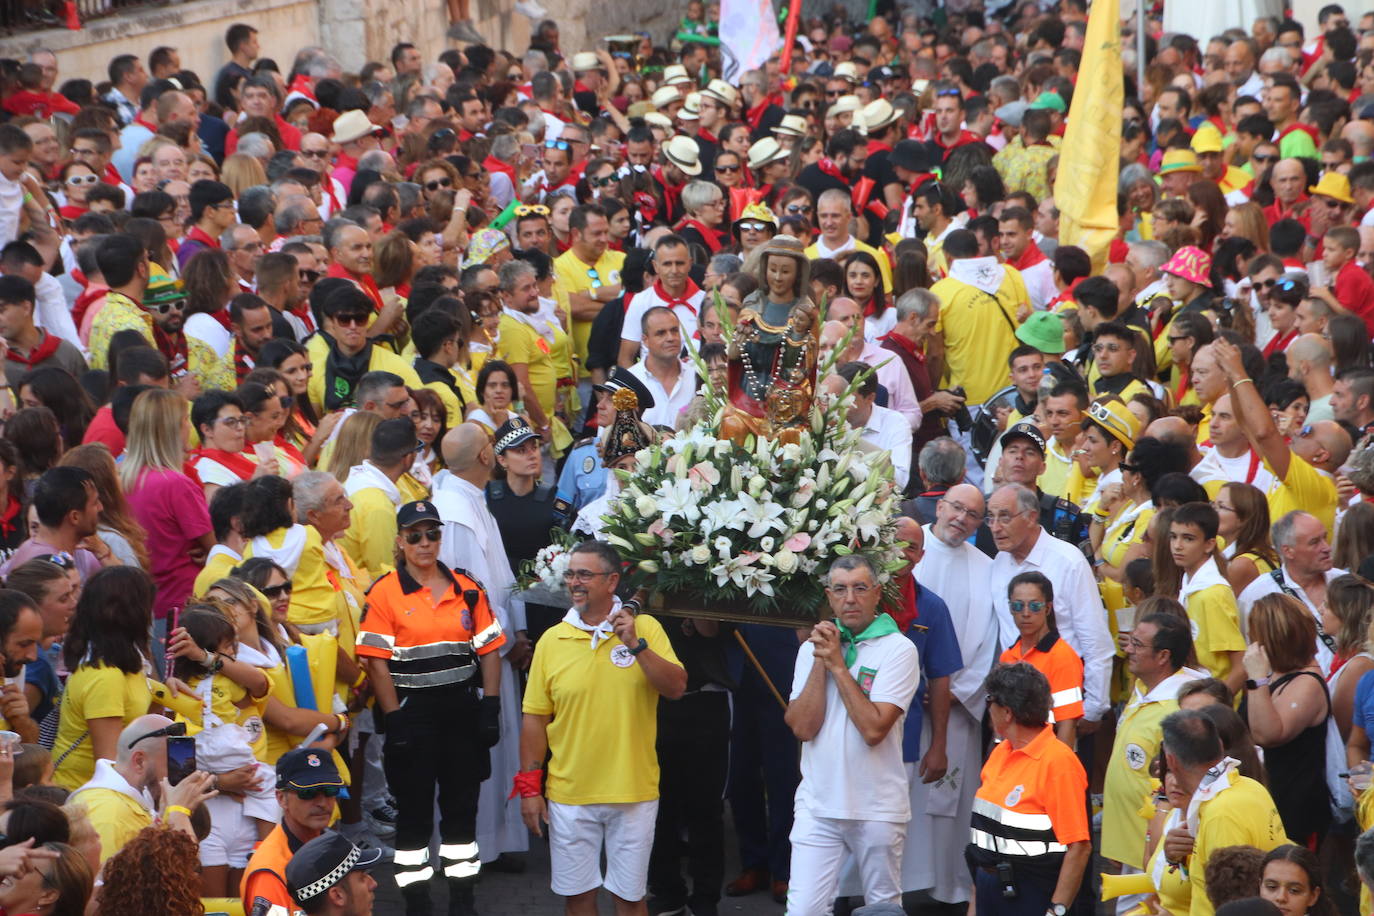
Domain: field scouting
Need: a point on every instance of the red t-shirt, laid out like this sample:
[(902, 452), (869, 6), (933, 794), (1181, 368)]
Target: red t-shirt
[(1354, 290), (103, 429)]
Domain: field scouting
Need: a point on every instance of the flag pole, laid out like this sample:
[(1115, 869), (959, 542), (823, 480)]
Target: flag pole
[(1139, 46)]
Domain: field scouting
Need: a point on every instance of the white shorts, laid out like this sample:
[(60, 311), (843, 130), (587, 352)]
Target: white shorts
[(577, 834), (232, 837)]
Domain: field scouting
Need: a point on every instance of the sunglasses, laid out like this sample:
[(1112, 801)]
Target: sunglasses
[(1026, 607), (175, 730), (557, 144), (798, 209), (1263, 159), (352, 320), (162, 308), (441, 183), (308, 276), (276, 591), (77, 181), (428, 534), (753, 227), (595, 277), (311, 794), (604, 182), (315, 153), (727, 168)]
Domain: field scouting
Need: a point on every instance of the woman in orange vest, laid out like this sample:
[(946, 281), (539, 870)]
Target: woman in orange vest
[(1031, 597)]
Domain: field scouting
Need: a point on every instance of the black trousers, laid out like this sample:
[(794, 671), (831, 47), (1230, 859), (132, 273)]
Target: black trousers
[(693, 751), (432, 742)]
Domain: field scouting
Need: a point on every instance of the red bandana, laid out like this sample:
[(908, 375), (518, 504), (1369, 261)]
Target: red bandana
[(239, 463), (45, 349)]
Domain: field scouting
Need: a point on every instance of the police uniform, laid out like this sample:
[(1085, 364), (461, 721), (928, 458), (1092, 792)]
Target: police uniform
[(1063, 519), (583, 480), (524, 521), (324, 862), (441, 733)]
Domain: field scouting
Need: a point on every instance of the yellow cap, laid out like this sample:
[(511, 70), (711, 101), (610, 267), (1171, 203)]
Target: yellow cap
[(1179, 160), (1112, 414), (1207, 139)]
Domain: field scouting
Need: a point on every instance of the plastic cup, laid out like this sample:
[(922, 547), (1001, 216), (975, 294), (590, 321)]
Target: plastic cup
[(10, 740), (264, 450)]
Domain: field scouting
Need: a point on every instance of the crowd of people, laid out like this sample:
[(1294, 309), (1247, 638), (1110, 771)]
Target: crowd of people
[(305, 366)]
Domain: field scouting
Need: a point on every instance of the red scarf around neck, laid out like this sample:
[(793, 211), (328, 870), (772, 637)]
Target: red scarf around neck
[(710, 236), (1029, 258), (672, 301), (239, 463), (46, 348)]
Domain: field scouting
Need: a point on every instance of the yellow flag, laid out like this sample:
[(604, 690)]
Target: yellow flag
[(1090, 157)]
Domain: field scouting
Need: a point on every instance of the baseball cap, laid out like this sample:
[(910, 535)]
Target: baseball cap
[(413, 513), (307, 768), (1024, 429)]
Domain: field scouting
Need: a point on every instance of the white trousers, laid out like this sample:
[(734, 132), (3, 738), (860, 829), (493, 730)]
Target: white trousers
[(820, 846)]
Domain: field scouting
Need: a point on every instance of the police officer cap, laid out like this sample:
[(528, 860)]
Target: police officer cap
[(513, 432), (1025, 429), (307, 768), (623, 378), (415, 513), (324, 862)]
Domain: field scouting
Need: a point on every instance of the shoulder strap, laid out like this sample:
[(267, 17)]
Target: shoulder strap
[(1000, 310), (1327, 639)]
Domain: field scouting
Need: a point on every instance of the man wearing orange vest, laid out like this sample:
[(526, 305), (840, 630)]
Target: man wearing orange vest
[(307, 785)]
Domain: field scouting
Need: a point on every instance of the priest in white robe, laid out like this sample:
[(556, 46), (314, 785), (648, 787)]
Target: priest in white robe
[(472, 542)]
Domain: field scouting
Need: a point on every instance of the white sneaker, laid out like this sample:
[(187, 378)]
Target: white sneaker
[(531, 9)]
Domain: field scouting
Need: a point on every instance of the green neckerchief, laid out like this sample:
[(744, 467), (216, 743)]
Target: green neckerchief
[(882, 625)]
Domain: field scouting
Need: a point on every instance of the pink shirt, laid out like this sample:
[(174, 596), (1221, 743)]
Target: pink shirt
[(171, 508)]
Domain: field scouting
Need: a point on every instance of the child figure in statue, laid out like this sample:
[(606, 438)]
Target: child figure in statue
[(772, 376)]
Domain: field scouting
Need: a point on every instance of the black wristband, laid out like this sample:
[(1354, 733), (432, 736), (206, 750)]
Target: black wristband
[(643, 644)]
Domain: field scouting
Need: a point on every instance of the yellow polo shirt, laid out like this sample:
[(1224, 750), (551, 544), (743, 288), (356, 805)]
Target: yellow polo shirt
[(381, 360), (522, 344), (813, 252), (1216, 628), (1241, 815), (1128, 781), (93, 692), (979, 332), (370, 540), (573, 275), (604, 709), (116, 817), (1307, 488), (217, 566)]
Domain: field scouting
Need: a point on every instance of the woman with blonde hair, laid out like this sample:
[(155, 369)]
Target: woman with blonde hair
[(353, 444), (1287, 706), (118, 528), (1348, 616), (169, 505), (241, 172), (1247, 221)]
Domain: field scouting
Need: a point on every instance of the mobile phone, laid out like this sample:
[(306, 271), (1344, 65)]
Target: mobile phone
[(181, 758), (529, 151)]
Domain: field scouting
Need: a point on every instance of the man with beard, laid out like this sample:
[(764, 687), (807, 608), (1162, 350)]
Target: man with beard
[(21, 629), (126, 793), (846, 154), (251, 320), (164, 302)]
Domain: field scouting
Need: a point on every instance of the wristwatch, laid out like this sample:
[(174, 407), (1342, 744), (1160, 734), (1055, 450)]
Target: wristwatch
[(643, 644), (1056, 909), (1252, 684)]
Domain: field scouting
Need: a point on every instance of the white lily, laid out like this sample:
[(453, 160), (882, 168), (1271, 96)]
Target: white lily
[(761, 517), (677, 498)]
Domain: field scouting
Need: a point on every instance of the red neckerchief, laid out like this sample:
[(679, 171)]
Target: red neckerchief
[(907, 612), (1305, 128), (112, 176), (327, 184), (496, 165), (965, 137), (84, 300), (197, 234), (243, 363), (1185, 381), (72, 211), (755, 115), (7, 520), (305, 86), (364, 281), (302, 311), (828, 166), (1254, 467), (704, 134), (292, 452), (671, 192), (673, 301), (345, 161), (1029, 258), (877, 146), (710, 236), (46, 348), (1066, 295), (403, 290), (138, 119), (239, 463), (174, 349), (907, 345), (871, 307), (1278, 344)]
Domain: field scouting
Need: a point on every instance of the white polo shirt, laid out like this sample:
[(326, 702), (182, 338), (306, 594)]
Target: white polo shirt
[(1078, 611), (887, 429), (686, 311), (667, 404), (842, 777), (1264, 584)]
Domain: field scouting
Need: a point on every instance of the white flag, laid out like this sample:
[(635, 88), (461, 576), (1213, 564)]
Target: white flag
[(748, 36)]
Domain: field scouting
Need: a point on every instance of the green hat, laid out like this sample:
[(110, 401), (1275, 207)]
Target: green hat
[(1044, 331), (1051, 100), (162, 287)]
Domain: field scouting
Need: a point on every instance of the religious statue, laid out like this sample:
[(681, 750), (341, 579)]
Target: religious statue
[(772, 373)]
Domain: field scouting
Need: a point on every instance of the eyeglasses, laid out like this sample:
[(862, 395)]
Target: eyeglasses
[(1001, 518), (582, 575), (858, 591), (960, 508), (531, 210), (308, 276), (77, 181), (1137, 644), (432, 534), (1107, 348), (1222, 507), (1027, 607), (444, 182), (238, 422), (752, 226), (175, 730), (78, 151), (727, 168), (1261, 160), (833, 93), (1271, 283), (352, 320), (317, 791), (276, 591)]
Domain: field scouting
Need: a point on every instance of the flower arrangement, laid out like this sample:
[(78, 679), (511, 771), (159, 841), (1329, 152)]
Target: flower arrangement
[(705, 520)]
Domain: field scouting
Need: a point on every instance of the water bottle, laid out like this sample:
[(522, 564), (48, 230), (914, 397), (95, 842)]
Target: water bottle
[(1046, 385)]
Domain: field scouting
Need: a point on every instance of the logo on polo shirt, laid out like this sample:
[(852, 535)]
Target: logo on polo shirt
[(621, 657), (865, 679), (1135, 756), (1013, 797)]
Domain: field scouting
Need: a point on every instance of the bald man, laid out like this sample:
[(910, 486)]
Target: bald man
[(472, 543), (1304, 470), (1239, 61), (126, 794), (1175, 430), (1209, 382), (1309, 363), (1290, 189)]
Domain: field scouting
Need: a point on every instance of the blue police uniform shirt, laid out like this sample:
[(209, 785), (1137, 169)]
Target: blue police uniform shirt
[(933, 634), (583, 479)]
